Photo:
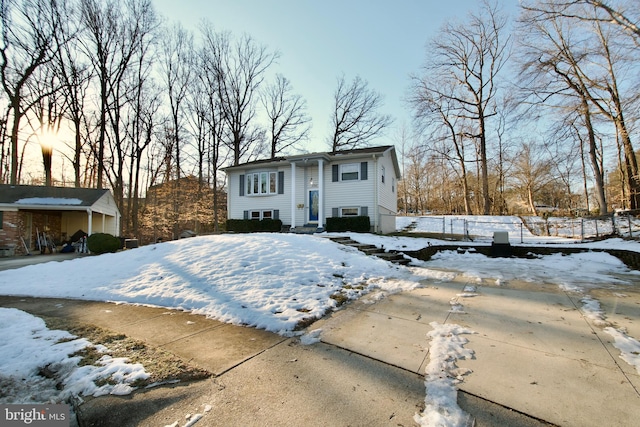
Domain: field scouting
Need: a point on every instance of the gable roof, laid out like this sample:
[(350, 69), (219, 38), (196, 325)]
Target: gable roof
[(32, 195), (329, 155)]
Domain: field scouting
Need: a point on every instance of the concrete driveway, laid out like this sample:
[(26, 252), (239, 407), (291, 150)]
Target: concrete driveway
[(535, 351), (538, 360)]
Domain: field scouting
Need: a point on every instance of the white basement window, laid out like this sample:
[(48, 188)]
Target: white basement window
[(349, 211), (261, 214)]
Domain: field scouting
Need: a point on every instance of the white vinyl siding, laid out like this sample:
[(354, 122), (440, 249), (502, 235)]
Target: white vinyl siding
[(387, 191), (349, 193), (237, 205)]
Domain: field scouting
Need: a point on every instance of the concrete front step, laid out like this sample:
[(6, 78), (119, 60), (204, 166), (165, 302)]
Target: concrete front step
[(372, 250), (304, 230), (393, 257)]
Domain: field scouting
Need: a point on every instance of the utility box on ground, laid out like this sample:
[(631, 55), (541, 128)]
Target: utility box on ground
[(500, 246), (131, 243), (501, 237)]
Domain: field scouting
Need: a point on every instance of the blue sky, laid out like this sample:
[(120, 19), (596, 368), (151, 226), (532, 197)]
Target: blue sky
[(382, 41)]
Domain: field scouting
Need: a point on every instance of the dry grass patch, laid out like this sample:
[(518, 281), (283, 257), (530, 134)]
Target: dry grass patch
[(162, 366)]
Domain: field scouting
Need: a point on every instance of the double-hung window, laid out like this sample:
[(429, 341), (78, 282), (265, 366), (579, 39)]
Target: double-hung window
[(349, 172)]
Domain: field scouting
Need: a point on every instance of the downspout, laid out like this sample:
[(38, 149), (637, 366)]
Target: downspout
[(376, 228), (321, 193), (293, 195)]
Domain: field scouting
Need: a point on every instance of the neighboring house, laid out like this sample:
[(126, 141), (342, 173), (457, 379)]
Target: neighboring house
[(57, 211), (176, 208), (303, 190)]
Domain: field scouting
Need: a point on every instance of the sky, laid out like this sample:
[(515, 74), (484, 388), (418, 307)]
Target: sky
[(383, 42), (257, 280)]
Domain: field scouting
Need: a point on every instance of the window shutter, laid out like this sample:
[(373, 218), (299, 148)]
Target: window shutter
[(335, 213), (363, 171), (281, 182), (364, 211), (334, 173), (276, 214), (246, 215), (241, 185)]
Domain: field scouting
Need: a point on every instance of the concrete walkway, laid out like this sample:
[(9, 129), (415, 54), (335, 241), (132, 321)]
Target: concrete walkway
[(537, 361)]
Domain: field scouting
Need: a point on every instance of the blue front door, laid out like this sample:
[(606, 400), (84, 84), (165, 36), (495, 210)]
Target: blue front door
[(314, 204)]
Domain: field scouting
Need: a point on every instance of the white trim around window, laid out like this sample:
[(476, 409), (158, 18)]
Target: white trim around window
[(261, 183), (350, 172), (261, 214), (349, 211)]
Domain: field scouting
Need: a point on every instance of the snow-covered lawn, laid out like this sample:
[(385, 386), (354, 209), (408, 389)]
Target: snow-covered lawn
[(269, 281), (272, 282)]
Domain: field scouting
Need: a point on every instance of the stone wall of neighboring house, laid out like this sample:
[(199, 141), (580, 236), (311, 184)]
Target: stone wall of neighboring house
[(14, 226), (10, 233), (46, 222)]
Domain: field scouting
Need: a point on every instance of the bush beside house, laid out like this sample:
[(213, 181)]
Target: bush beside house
[(360, 224), (101, 243), (252, 225)]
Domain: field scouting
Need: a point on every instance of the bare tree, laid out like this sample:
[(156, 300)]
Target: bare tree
[(239, 67), (176, 65), (624, 14), (468, 57), (437, 112), (48, 111), (289, 123), (532, 173), (142, 121), (356, 120), (27, 42), (75, 75), (581, 66), (209, 124), (117, 32)]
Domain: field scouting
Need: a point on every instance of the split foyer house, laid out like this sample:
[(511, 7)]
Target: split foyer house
[(59, 212), (303, 190)]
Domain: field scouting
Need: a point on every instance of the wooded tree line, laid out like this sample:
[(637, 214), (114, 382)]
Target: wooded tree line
[(540, 110), (150, 102)]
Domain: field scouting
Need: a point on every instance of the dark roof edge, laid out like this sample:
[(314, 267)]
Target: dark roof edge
[(331, 154)]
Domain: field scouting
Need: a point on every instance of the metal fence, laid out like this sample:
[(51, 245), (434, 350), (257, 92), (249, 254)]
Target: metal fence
[(478, 228)]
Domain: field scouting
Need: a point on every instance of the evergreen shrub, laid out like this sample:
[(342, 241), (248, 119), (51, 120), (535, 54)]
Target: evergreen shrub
[(101, 243), (360, 224), (252, 225)]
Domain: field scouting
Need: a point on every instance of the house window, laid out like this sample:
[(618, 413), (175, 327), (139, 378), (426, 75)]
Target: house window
[(349, 211), (272, 183), (382, 174), (263, 214), (349, 172), (262, 183)]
